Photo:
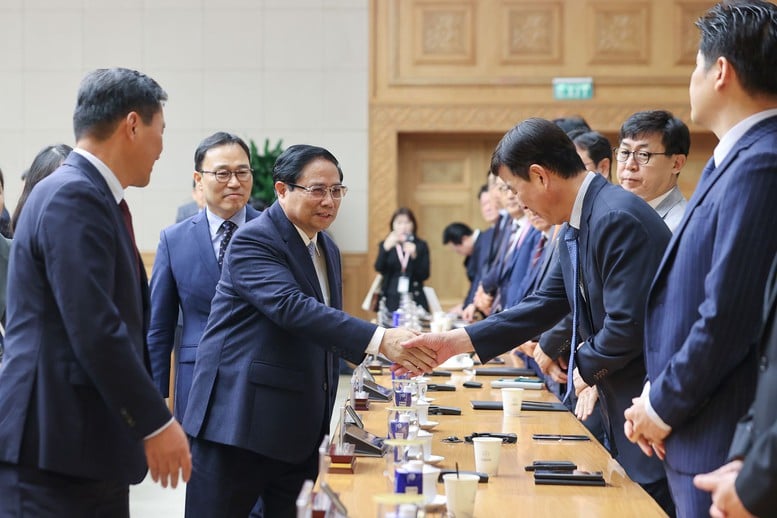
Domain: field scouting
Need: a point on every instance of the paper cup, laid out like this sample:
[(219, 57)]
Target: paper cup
[(460, 491), (512, 398), (487, 450)]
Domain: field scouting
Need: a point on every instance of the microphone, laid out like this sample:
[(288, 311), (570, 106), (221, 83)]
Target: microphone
[(409, 238)]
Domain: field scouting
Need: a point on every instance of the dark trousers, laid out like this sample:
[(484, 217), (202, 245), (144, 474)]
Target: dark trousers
[(227, 481), (29, 492), (690, 502)]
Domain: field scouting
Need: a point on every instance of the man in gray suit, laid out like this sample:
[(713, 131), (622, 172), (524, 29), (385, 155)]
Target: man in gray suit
[(653, 149)]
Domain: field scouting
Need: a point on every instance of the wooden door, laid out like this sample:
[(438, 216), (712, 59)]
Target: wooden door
[(439, 179)]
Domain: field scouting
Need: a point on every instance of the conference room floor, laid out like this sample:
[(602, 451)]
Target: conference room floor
[(150, 500)]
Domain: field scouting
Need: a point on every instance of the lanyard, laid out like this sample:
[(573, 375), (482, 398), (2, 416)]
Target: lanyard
[(404, 257)]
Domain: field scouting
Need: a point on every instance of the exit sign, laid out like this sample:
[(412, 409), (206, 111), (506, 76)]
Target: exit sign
[(573, 88)]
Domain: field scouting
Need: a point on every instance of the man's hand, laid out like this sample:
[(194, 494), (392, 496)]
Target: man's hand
[(725, 500), (528, 348), (642, 430), (468, 313), (551, 368), (585, 402), (580, 384), (440, 345), (483, 301), (416, 361), (167, 454)]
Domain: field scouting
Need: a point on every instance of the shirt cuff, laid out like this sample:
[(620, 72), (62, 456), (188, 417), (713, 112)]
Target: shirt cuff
[(652, 413), (159, 430), (373, 347)]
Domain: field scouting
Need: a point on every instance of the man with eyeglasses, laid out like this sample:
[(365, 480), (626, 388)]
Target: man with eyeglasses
[(266, 374), (653, 149), (188, 260), (704, 306)]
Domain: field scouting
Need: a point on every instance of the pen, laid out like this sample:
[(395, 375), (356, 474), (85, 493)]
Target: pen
[(559, 437)]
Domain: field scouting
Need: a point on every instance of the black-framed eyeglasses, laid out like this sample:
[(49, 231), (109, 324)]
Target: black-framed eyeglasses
[(319, 191), (223, 175), (640, 156)]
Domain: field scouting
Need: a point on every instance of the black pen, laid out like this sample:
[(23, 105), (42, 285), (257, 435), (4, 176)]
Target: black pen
[(559, 437)]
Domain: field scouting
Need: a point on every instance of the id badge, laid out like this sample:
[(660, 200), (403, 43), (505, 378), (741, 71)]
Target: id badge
[(403, 286)]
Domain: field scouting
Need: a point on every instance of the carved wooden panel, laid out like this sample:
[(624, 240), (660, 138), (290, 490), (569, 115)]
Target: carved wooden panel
[(620, 33), (532, 32), (686, 14), (444, 33)]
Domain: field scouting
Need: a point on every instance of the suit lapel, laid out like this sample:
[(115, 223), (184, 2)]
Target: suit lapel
[(670, 201), (704, 187), (204, 243), (332, 269), (297, 249)]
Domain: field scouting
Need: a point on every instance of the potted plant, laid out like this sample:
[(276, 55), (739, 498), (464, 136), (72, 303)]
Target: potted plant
[(263, 191)]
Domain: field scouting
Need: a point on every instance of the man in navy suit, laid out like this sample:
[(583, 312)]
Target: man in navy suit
[(80, 417), (620, 241), (266, 373), (748, 482), (703, 307), (187, 268)]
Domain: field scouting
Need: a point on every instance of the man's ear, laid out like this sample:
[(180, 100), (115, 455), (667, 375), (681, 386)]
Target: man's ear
[(281, 189), (539, 174)]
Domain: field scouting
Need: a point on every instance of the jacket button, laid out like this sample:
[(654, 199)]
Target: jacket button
[(764, 363), (325, 386)]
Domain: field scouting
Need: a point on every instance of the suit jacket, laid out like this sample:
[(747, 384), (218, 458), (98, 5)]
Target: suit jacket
[(5, 251), (183, 279), (513, 289), (756, 435), (704, 305), (672, 208), (75, 394), (266, 373), (621, 240), (418, 270), (477, 263)]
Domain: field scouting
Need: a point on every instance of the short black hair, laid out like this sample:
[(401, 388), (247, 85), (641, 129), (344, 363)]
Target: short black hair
[(107, 95), (596, 145), (745, 33), (537, 141), (455, 233), (483, 189), (675, 135), (288, 167), (572, 125), (218, 139)]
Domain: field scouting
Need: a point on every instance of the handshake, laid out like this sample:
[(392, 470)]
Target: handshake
[(417, 353)]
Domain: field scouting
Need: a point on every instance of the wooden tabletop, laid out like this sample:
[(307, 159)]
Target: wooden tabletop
[(512, 491)]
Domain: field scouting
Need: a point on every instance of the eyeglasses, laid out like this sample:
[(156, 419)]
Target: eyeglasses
[(224, 175), (506, 188), (319, 191), (641, 157)]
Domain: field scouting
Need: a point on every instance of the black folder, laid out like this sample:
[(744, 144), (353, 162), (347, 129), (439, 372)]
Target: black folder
[(504, 372), (525, 406)]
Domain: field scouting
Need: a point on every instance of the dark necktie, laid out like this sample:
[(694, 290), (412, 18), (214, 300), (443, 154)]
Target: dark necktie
[(229, 228), (571, 241), (312, 251), (125, 212), (539, 250)]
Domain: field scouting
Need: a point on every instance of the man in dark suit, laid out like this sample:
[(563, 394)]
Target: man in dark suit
[(620, 241), (77, 404), (266, 373), (188, 260), (703, 307), (748, 483)]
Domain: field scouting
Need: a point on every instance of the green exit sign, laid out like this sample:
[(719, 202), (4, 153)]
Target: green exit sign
[(573, 88)]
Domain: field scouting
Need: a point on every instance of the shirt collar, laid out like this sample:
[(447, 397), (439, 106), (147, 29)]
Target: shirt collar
[(655, 202), (110, 177), (306, 240), (215, 221), (733, 135), (577, 208)]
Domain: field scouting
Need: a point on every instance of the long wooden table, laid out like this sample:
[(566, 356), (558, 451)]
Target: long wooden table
[(512, 491)]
